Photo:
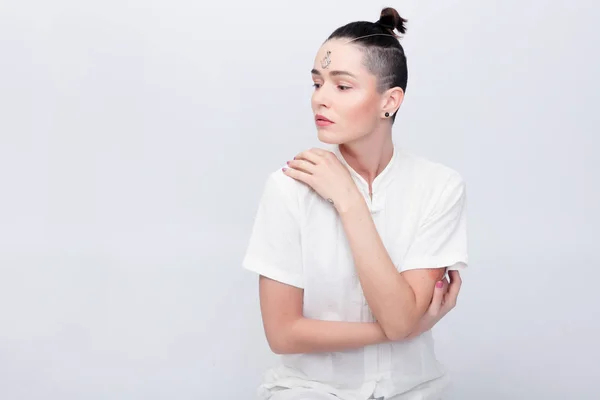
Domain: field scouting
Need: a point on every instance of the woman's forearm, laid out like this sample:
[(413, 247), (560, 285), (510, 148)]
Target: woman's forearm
[(388, 294), (306, 335), (419, 330)]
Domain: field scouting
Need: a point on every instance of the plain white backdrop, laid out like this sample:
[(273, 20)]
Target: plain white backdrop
[(135, 139)]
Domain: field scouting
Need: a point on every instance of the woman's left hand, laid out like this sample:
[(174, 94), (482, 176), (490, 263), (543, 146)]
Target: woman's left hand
[(443, 301), (325, 174)]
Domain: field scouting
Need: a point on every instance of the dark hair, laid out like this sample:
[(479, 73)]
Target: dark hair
[(384, 55)]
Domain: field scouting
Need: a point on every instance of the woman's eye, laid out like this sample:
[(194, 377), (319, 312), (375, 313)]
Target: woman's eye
[(340, 87)]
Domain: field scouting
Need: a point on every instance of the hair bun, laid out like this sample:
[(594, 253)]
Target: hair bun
[(391, 20)]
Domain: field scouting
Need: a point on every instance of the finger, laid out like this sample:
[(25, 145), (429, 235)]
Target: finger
[(320, 152), (308, 156), (302, 165), (455, 279), (445, 293), (453, 289), (437, 299), (446, 285), (297, 175)]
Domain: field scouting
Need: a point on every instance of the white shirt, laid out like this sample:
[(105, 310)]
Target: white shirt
[(418, 207)]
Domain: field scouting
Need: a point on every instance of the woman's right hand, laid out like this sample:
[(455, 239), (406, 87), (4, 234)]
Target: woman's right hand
[(444, 300)]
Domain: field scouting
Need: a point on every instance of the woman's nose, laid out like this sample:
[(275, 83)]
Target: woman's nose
[(321, 97)]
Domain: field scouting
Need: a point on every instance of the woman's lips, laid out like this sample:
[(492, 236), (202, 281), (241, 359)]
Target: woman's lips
[(322, 121)]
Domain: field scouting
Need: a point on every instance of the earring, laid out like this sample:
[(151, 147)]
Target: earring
[(387, 114)]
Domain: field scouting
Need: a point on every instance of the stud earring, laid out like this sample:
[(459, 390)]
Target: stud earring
[(387, 114)]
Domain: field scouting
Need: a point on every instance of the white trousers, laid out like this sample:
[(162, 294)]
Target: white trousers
[(431, 390), (312, 394)]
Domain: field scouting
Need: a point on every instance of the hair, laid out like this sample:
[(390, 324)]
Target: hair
[(383, 54)]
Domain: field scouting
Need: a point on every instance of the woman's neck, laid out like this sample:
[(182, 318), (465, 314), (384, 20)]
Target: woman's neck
[(369, 155)]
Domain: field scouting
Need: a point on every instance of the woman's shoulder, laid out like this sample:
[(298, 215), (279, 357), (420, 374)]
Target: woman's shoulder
[(435, 185), (425, 169), (285, 188)]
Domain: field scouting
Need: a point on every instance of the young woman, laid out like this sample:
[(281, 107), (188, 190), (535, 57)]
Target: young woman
[(352, 242)]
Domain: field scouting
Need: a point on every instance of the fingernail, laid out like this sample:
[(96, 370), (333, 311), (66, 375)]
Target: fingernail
[(439, 284), (287, 162), (283, 169)]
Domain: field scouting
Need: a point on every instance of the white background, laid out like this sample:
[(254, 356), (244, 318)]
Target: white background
[(135, 138)]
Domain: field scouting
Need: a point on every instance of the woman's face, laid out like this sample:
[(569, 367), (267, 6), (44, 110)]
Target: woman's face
[(345, 94)]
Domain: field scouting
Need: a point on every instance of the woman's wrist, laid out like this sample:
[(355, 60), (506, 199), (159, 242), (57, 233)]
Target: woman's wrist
[(350, 201)]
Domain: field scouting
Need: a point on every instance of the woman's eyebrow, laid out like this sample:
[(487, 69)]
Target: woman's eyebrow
[(333, 73)]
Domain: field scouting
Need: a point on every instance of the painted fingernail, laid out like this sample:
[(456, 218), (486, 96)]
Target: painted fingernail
[(287, 162), (439, 284), (284, 169)]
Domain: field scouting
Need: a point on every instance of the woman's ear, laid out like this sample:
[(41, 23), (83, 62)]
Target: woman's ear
[(392, 100)]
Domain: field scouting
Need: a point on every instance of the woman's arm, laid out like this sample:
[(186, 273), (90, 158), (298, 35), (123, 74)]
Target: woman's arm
[(398, 300), (289, 332)]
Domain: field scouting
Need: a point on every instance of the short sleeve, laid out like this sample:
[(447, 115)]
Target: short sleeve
[(274, 248), (441, 240)]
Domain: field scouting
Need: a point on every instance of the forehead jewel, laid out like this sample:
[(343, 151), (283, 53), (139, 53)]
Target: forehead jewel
[(326, 60)]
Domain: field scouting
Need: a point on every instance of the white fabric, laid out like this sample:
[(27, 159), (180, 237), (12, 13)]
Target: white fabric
[(418, 207)]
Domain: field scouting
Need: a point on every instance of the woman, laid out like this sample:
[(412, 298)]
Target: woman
[(352, 243)]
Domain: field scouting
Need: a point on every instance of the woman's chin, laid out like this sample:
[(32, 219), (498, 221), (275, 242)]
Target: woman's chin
[(328, 137)]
